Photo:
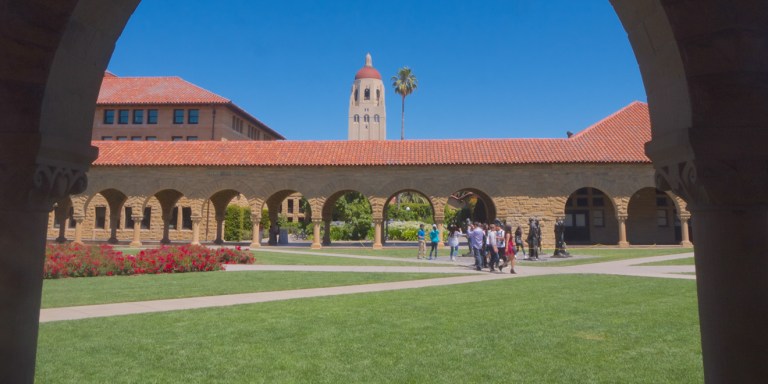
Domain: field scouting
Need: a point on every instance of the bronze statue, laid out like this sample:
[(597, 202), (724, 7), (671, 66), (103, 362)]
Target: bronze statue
[(534, 239), (560, 250)]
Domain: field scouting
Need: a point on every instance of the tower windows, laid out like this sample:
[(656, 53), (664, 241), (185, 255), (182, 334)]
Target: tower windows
[(375, 118), (378, 94), (356, 119), (357, 94), (367, 94), (366, 118)]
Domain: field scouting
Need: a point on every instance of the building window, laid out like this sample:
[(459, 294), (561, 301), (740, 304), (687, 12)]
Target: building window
[(357, 94), (177, 138), (290, 206), (138, 116), (174, 221), (356, 118), (193, 115), (146, 221), (662, 220), (598, 218), (101, 218), (122, 116), (151, 138), (151, 116), (661, 201), (366, 118), (122, 138), (376, 118), (128, 218), (582, 202), (136, 138), (367, 94), (186, 218), (378, 94), (109, 116), (598, 202), (178, 116), (105, 138), (191, 138)]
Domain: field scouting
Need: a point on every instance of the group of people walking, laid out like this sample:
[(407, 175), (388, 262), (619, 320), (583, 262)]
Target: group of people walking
[(493, 246)]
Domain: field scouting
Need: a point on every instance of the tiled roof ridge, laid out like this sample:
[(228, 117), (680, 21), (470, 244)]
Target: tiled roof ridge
[(620, 139), (607, 119)]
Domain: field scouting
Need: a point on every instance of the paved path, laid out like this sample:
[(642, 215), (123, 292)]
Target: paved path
[(622, 267)]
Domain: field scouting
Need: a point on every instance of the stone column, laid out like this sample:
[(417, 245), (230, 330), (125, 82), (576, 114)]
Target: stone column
[(62, 230), (219, 230), (136, 230), (623, 243), (114, 222), (440, 225), (685, 236), (256, 231), (316, 235), (166, 230), (28, 191), (327, 234), (730, 205), (79, 228), (196, 230), (377, 228), (732, 280)]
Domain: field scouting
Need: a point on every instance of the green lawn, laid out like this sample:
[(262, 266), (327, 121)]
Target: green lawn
[(116, 289), (549, 329), (683, 261), (600, 255), (266, 257), (401, 252)]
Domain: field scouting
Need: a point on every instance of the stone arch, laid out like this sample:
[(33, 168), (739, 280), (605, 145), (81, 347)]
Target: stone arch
[(431, 200), (485, 209), (654, 217), (167, 199), (702, 63), (115, 200), (329, 207), (590, 217), (273, 204)]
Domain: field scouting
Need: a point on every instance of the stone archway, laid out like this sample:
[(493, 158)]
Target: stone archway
[(590, 218), (702, 62)]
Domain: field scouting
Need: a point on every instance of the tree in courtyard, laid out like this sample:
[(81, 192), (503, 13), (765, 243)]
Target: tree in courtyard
[(405, 83)]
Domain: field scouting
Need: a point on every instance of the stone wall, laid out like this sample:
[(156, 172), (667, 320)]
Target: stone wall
[(516, 192)]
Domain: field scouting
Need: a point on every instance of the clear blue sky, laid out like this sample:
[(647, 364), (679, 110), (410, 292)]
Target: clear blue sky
[(486, 69)]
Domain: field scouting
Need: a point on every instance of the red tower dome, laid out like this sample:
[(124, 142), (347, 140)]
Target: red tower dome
[(368, 71)]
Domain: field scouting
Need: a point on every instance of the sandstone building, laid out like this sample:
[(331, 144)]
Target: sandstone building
[(170, 109), (598, 180)]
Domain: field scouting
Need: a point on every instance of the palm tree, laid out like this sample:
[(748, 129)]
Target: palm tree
[(405, 83)]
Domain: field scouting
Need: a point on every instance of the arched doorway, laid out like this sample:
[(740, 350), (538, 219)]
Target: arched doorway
[(590, 218), (347, 216)]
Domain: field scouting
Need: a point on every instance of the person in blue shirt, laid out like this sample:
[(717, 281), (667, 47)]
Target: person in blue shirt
[(422, 242), (434, 238)]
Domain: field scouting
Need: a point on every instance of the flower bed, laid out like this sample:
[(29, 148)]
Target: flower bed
[(74, 260)]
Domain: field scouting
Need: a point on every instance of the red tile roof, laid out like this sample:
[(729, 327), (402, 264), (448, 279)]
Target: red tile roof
[(154, 90), (172, 90), (617, 139)]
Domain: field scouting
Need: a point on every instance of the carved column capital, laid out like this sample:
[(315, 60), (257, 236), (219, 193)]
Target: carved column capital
[(40, 185), (715, 182)]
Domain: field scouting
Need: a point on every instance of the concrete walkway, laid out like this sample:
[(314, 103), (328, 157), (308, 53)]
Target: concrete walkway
[(623, 267)]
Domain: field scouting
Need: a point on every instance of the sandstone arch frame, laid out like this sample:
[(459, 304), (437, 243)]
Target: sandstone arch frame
[(702, 62)]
